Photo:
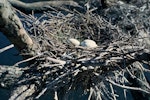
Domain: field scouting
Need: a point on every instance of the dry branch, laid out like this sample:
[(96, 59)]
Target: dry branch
[(23, 92), (6, 48), (13, 29), (43, 5)]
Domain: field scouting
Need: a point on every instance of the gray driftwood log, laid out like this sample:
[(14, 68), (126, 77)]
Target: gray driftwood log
[(42, 5), (12, 28)]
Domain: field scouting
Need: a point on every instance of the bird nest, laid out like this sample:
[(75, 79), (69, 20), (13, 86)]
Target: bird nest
[(116, 64)]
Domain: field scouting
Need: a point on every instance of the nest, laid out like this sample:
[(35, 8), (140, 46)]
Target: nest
[(117, 64)]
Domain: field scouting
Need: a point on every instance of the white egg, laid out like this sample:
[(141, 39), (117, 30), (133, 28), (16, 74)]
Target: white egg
[(74, 42), (88, 43)]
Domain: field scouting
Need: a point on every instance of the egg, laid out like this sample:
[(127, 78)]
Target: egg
[(74, 42), (88, 43)]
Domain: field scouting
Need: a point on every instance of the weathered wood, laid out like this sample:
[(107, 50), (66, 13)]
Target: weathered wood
[(9, 75), (12, 28), (23, 92), (42, 5)]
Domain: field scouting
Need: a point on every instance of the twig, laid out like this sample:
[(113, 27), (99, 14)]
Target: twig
[(125, 94), (26, 60), (98, 93), (56, 60), (6, 48), (41, 93), (91, 92), (56, 96), (127, 87), (113, 93)]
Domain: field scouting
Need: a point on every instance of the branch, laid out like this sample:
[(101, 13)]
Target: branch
[(23, 92), (12, 28), (127, 87), (6, 48), (40, 6)]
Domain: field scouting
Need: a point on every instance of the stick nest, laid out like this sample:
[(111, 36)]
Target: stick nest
[(117, 64)]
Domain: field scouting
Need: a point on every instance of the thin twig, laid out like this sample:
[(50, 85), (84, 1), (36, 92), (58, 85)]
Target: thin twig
[(6, 48), (127, 87), (56, 61), (113, 93), (26, 60)]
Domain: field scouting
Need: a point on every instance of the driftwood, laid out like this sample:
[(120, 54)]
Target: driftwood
[(42, 5), (12, 27)]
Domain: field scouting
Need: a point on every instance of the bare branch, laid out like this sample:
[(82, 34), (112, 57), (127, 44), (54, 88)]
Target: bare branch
[(44, 5), (13, 29), (6, 48), (127, 87), (56, 60)]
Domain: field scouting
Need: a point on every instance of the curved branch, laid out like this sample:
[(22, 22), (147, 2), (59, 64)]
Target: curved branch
[(12, 28), (40, 6)]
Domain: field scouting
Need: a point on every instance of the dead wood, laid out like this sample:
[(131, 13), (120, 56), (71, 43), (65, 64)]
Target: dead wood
[(9, 75), (42, 5), (12, 28)]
